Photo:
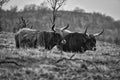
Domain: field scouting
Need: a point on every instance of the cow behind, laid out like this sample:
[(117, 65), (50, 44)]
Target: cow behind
[(48, 39), (32, 38)]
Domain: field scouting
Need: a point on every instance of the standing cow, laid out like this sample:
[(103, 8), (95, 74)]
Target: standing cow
[(79, 42)]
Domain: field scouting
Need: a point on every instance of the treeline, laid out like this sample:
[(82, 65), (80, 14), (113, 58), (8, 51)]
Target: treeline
[(39, 18)]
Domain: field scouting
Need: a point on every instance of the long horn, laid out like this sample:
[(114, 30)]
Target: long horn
[(65, 27), (97, 34), (86, 30), (53, 27)]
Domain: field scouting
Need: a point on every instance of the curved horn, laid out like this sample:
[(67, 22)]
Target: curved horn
[(97, 34), (86, 30), (65, 27), (53, 27)]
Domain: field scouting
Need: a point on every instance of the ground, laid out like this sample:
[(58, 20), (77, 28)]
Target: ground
[(40, 64)]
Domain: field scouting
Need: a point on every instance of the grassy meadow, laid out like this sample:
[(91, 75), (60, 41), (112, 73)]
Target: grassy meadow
[(40, 64)]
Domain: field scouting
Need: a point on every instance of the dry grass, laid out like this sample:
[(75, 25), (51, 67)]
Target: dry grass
[(40, 64)]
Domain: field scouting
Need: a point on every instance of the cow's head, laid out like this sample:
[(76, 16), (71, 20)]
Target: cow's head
[(56, 36), (62, 32), (90, 42)]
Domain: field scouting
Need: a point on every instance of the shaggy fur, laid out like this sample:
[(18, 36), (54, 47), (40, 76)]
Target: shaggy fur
[(78, 42), (32, 38)]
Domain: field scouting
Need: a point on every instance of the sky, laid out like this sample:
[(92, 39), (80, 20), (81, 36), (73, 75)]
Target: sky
[(107, 7)]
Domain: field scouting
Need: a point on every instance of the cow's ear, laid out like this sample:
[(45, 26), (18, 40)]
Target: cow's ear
[(63, 41), (91, 36), (84, 40)]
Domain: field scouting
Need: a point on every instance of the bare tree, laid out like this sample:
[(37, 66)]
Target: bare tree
[(77, 9), (22, 23), (55, 5), (3, 2)]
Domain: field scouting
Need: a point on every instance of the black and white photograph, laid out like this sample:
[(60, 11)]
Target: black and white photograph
[(59, 39)]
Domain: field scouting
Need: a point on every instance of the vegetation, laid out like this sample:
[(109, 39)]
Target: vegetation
[(39, 18)]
